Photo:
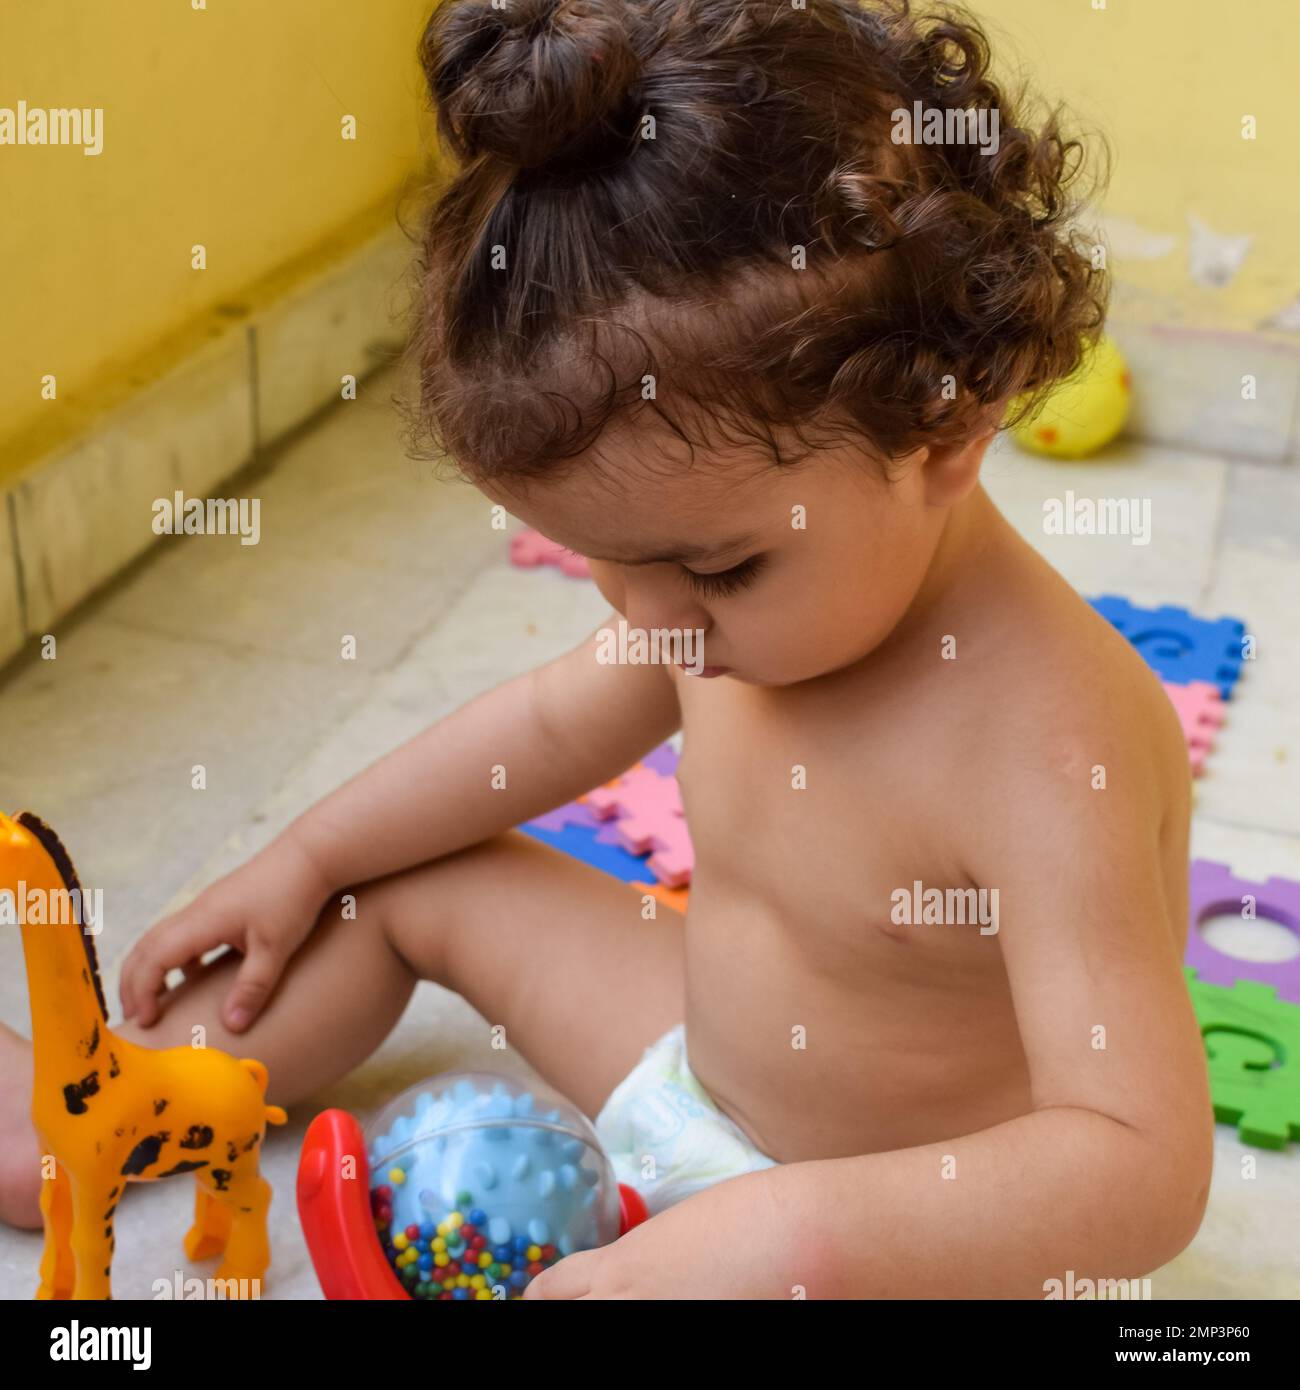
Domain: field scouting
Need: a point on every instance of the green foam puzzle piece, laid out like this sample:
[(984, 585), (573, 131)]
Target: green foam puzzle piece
[(1252, 1046)]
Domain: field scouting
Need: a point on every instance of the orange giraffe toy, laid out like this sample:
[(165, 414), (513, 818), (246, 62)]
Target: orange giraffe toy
[(110, 1112)]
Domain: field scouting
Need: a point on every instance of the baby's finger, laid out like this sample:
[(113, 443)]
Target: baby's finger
[(165, 946), (256, 978), (570, 1278)]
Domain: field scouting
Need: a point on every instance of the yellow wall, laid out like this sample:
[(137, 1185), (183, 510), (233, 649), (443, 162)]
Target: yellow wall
[(221, 127), (1169, 81)]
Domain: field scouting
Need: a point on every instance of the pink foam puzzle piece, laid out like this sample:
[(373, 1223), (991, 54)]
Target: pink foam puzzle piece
[(1199, 707), (673, 861), (648, 810), (529, 548)]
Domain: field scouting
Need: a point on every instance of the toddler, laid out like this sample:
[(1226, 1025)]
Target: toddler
[(699, 305)]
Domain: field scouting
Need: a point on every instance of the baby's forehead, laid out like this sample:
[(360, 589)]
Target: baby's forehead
[(633, 499), (643, 517)]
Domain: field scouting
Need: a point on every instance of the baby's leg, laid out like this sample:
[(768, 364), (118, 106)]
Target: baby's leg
[(552, 950)]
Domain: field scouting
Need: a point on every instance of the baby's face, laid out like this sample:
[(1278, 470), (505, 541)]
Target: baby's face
[(789, 573)]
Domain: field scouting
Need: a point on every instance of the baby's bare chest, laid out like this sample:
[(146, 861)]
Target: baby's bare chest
[(804, 939), (819, 816)]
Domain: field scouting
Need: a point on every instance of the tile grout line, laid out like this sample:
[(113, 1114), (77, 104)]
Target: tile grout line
[(1220, 530), (20, 577), (254, 398)]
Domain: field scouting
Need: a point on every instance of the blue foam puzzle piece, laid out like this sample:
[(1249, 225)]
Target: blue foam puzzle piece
[(1176, 644), (580, 842)]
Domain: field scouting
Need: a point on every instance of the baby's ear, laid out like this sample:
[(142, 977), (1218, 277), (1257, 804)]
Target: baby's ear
[(952, 470)]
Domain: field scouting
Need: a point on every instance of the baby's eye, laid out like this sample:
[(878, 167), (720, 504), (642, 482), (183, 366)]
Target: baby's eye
[(725, 581)]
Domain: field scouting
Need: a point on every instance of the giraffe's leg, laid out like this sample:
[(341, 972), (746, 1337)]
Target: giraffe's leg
[(211, 1229), (92, 1239), (248, 1252), (56, 1258)]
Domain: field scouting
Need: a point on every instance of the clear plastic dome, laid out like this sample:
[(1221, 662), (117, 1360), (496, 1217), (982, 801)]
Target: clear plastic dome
[(479, 1182)]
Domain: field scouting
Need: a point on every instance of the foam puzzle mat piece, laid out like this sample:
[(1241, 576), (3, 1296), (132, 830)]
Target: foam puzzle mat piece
[(1179, 646), (1252, 1049), (676, 898), (579, 842), (571, 813), (1199, 707), (528, 549), (1216, 891), (648, 810), (662, 760)]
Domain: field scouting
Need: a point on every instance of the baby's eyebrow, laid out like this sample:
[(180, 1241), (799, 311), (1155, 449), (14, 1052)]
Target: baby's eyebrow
[(680, 554)]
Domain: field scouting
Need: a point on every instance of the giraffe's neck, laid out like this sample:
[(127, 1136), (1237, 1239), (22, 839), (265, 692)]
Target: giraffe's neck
[(68, 1022), (69, 1027)]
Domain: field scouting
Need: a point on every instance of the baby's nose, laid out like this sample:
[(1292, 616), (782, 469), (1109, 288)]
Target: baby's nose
[(655, 600)]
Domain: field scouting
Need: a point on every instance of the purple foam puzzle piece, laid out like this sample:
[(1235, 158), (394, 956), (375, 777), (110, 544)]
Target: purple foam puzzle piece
[(1215, 891), (572, 813), (663, 760)]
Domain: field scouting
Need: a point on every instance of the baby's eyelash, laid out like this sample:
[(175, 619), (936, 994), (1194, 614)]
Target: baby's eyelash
[(725, 581)]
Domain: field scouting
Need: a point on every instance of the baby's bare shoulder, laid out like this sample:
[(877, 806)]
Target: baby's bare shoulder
[(1069, 704)]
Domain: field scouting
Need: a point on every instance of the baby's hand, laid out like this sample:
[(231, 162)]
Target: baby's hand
[(740, 1224), (264, 910)]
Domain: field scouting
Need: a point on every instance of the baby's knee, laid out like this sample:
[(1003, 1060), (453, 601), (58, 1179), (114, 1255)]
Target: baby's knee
[(418, 911)]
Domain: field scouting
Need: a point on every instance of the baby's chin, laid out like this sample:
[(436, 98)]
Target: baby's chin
[(771, 679), (797, 671)]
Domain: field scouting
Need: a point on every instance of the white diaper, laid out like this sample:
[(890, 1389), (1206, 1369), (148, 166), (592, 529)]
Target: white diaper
[(664, 1135)]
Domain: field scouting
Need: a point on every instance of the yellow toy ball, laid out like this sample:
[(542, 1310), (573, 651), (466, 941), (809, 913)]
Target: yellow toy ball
[(1085, 411)]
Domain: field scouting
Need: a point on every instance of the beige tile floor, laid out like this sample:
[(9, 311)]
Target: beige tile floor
[(229, 656)]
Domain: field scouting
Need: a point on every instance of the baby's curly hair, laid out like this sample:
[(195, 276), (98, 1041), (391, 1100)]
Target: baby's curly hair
[(697, 208)]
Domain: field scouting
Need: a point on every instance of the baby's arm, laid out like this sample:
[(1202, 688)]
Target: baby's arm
[(530, 744), (554, 733), (1107, 1175)]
